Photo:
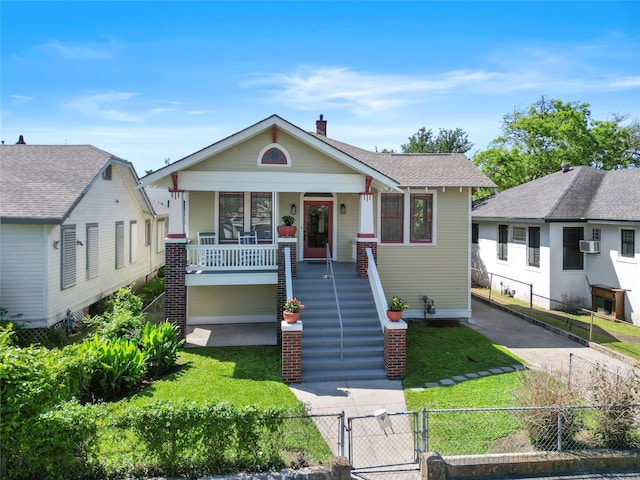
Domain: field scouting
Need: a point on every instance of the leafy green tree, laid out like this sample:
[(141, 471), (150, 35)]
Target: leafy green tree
[(447, 141), (536, 142)]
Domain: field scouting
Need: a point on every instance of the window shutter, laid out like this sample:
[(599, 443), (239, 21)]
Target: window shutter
[(92, 250), (133, 241), (119, 244), (68, 252)]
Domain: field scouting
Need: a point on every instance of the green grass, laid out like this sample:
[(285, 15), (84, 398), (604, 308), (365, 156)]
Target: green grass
[(236, 375), (437, 353)]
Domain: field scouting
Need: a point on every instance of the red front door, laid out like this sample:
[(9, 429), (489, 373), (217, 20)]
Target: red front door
[(317, 228)]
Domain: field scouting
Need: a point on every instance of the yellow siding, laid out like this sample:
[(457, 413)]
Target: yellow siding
[(232, 300), (347, 226), (440, 271), (201, 209), (244, 157)]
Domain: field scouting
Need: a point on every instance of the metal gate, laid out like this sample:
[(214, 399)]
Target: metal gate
[(384, 442)]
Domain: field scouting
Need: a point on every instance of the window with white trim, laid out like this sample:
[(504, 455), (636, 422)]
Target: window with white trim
[(421, 211), (231, 222), (92, 250), (627, 243), (519, 234), (162, 234), (503, 242), (572, 257), (391, 218), (119, 244), (133, 241), (533, 249), (147, 233), (68, 256)]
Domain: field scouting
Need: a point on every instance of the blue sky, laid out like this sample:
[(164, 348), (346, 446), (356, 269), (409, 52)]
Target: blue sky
[(152, 80)]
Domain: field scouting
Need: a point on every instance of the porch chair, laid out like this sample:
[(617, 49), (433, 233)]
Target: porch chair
[(208, 257), (250, 256)]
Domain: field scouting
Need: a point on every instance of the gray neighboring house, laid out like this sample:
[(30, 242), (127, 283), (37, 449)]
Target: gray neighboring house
[(75, 226), (572, 234)]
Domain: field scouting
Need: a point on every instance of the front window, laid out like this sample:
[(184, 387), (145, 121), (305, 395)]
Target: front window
[(231, 216), (261, 215), (533, 254), (421, 217), (392, 211), (628, 243), (572, 257), (503, 241)]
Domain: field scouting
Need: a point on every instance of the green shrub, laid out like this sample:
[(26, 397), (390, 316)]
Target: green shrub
[(123, 317), (160, 345), (118, 364), (34, 380), (150, 290), (192, 439), (59, 443)]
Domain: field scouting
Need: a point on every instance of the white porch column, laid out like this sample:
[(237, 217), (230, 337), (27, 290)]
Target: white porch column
[(365, 225), (176, 215)]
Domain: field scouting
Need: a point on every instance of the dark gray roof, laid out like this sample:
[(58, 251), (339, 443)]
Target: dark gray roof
[(42, 183), (583, 193), (418, 170)]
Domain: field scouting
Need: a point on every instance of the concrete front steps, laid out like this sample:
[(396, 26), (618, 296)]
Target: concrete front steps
[(362, 337)]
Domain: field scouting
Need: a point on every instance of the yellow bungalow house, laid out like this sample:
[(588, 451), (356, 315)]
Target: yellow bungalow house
[(392, 224)]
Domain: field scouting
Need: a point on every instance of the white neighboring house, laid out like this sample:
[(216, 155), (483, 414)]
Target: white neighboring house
[(572, 234), (75, 227)]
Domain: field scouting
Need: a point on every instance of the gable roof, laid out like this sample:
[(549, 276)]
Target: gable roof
[(392, 170), (583, 193), (43, 183), (419, 169)]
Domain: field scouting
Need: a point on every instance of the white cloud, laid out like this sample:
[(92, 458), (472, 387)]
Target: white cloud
[(21, 99), (119, 106), (79, 51)]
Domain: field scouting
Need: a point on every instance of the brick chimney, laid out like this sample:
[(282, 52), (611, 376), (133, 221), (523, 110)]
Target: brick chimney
[(21, 141), (321, 126)]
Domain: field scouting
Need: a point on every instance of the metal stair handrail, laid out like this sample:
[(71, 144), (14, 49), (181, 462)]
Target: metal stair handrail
[(335, 292)]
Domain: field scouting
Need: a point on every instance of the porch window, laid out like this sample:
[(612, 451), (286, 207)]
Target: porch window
[(421, 205), (231, 216), (533, 253), (119, 244), (503, 242), (261, 215), (392, 212), (68, 260), (627, 243), (92, 250), (572, 257)]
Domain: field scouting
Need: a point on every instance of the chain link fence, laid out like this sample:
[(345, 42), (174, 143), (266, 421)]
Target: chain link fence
[(312, 439), (565, 314)]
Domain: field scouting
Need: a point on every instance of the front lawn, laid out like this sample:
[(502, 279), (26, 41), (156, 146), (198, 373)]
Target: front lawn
[(236, 375)]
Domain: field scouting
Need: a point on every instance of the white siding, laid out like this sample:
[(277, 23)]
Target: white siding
[(23, 273), (106, 203)]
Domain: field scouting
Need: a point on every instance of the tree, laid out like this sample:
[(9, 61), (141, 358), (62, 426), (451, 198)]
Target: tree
[(536, 142), (447, 141)]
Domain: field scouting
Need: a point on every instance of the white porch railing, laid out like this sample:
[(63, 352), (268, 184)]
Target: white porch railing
[(232, 257)]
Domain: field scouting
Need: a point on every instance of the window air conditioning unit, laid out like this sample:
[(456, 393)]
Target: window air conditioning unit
[(589, 246)]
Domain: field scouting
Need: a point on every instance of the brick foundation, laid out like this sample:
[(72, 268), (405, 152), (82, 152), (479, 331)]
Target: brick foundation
[(291, 353), (395, 352), (362, 262), (175, 297)]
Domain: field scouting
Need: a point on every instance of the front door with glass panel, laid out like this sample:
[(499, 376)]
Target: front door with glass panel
[(317, 228)]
